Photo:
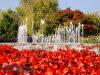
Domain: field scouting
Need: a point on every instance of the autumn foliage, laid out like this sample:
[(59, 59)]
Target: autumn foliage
[(62, 16)]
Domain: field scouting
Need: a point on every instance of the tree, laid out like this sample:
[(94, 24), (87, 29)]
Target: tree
[(8, 25), (95, 17), (35, 10), (59, 18), (94, 20), (91, 21)]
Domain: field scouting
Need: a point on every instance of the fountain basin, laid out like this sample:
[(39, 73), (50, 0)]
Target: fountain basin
[(55, 46)]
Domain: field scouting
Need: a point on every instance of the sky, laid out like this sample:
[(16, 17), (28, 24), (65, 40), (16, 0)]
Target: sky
[(83, 5), (5, 4)]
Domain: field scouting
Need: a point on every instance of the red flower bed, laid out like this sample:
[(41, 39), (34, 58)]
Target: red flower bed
[(42, 62)]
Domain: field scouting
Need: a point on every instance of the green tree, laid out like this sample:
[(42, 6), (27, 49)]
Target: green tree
[(95, 17), (35, 10), (8, 25)]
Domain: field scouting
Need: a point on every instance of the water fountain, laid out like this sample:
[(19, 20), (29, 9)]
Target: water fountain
[(62, 35), (22, 34), (67, 34)]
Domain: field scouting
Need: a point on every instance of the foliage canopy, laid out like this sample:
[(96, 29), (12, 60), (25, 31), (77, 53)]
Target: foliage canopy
[(35, 10), (8, 24)]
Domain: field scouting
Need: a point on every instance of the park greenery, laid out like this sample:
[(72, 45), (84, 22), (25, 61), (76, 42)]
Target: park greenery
[(36, 10), (8, 24), (91, 39)]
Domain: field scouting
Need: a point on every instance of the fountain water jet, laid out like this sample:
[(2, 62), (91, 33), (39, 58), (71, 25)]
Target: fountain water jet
[(67, 34), (62, 35), (22, 34)]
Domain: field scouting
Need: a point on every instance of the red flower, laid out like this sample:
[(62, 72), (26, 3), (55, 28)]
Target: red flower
[(42, 62)]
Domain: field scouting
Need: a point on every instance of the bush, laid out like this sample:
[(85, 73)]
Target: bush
[(91, 39)]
